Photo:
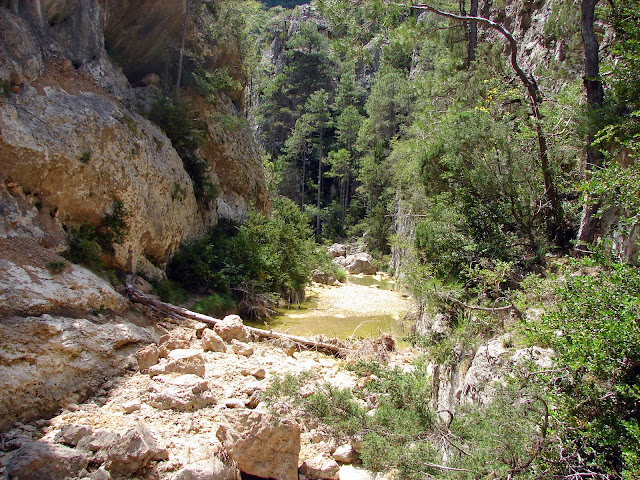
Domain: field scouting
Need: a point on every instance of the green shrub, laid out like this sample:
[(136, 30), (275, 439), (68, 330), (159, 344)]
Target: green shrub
[(57, 266), (594, 330), (265, 257), (216, 305), (170, 292), (88, 243)]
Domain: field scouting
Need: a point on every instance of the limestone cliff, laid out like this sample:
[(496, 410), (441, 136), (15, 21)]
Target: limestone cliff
[(72, 139), (77, 81)]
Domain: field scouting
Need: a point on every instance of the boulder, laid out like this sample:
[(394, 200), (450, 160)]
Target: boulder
[(171, 342), (320, 467), (147, 357), (261, 445), (72, 434), (232, 328), (212, 469), (212, 342), (360, 263), (337, 250), (45, 461), (183, 393), (185, 361), (242, 348), (345, 454), (99, 440), (133, 451), (348, 472)]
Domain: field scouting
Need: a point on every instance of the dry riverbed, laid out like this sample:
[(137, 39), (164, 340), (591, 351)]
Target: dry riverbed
[(163, 421)]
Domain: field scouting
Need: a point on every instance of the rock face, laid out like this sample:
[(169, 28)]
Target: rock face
[(42, 460), (31, 283), (261, 445), (49, 361), (71, 139)]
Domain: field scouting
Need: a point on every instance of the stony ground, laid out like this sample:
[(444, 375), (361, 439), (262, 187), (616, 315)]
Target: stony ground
[(167, 415)]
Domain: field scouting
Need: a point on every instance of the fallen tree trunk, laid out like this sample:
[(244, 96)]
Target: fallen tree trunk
[(136, 296)]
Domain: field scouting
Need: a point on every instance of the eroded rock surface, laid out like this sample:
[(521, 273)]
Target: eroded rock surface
[(261, 445)]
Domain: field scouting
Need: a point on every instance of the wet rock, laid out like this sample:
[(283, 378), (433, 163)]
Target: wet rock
[(72, 434), (147, 357), (185, 361), (133, 451), (212, 342), (320, 467), (212, 469), (242, 348), (232, 328), (345, 454), (261, 445), (45, 461)]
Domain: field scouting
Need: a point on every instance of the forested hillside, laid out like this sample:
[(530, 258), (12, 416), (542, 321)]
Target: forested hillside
[(488, 151)]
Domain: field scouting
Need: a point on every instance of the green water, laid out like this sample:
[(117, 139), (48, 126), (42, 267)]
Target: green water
[(307, 319)]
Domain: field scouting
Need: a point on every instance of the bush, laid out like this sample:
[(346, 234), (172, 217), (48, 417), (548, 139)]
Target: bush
[(265, 257), (88, 243), (593, 328), (216, 305)]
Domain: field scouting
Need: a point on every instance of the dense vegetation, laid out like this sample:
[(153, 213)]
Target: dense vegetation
[(413, 132), (503, 187)]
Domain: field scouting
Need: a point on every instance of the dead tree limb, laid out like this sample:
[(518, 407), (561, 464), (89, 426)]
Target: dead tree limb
[(555, 224), (136, 296), (450, 299)]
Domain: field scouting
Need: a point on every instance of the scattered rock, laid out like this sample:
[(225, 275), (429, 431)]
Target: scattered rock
[(234, 403), (169, 342), (357, 263), (242, 348), (261, 445), (258, 373), (72, 434), (100, 474), (212, 342), (232, 328), (212, 469), (45, 461), (147, 357), (98, 441), (349, 472), (337, 250), (130, 407), (133, 451), (142, 285), (345, 454), (183, 393), (185, 361), (320, 467)]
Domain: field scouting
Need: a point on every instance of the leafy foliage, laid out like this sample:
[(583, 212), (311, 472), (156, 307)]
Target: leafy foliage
[(270, 256), (593, 327)]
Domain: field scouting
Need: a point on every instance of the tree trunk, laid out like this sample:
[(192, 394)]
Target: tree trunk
[(182, 42), (171, 310), (590, 223), (473, 33), (555, 221)]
